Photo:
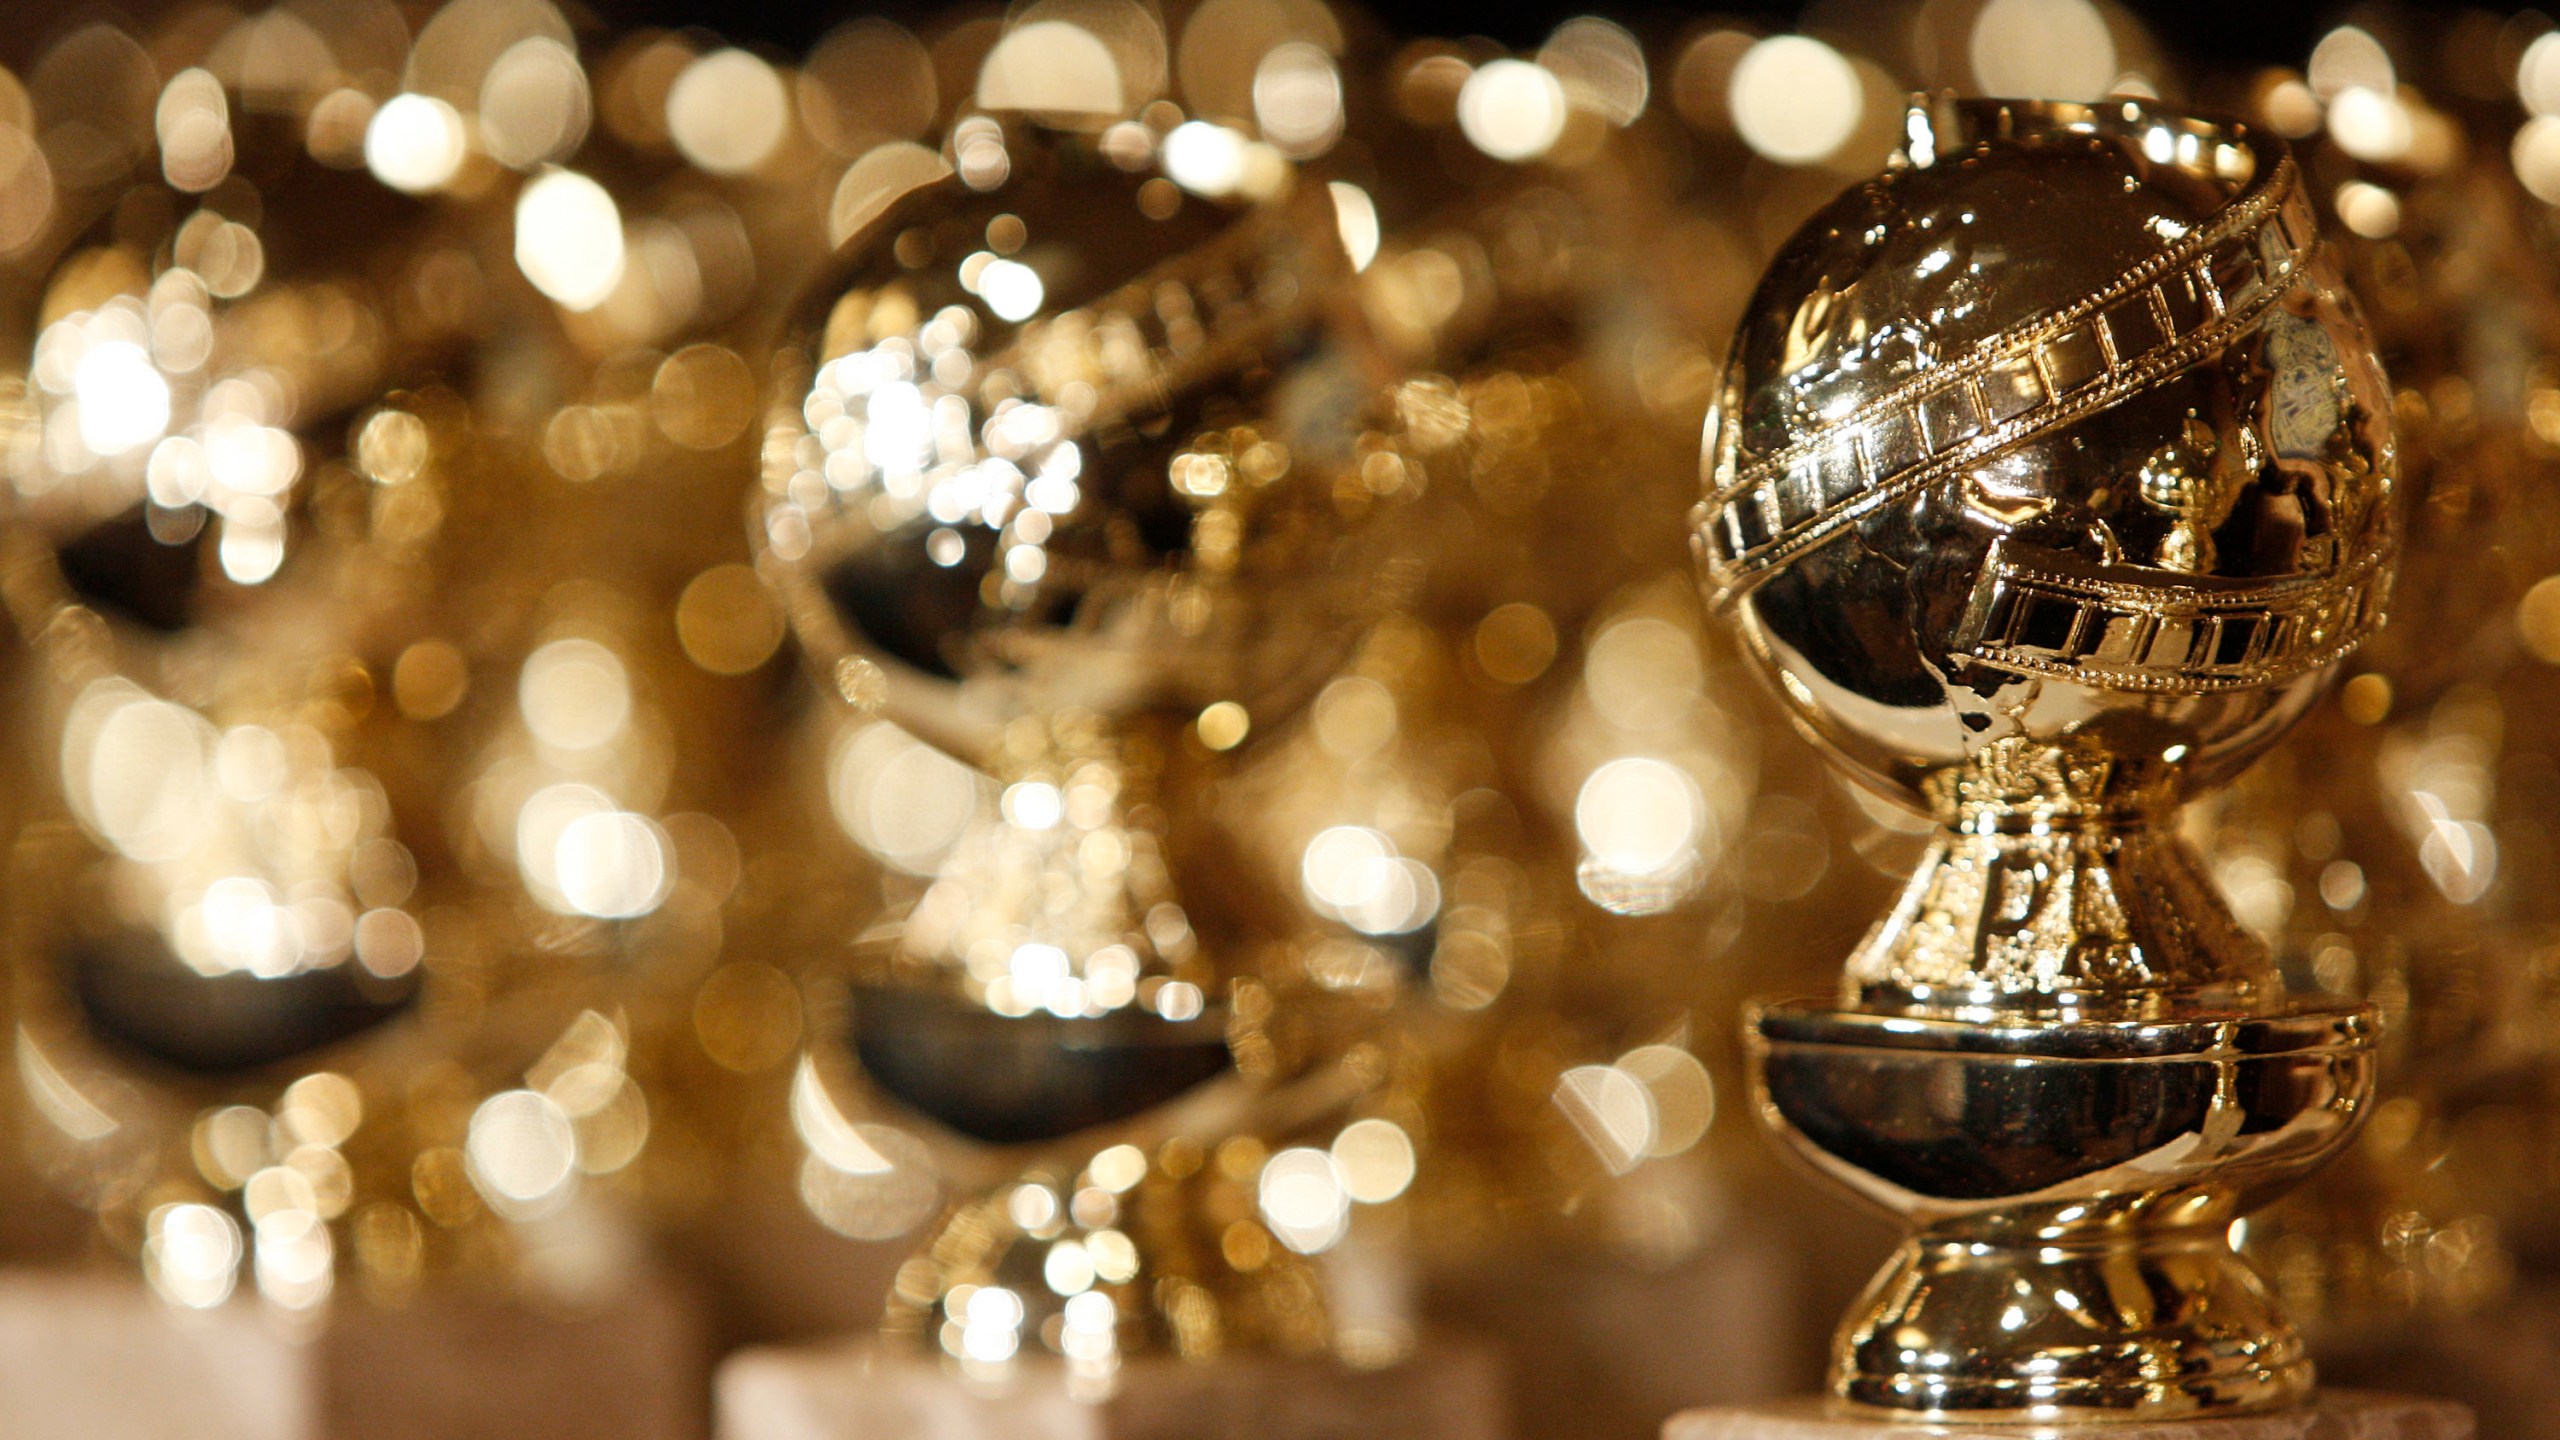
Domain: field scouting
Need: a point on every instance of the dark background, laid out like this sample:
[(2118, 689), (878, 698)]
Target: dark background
[(2275, 32)]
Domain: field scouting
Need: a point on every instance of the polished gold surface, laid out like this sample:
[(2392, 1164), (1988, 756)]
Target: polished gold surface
[(2070, 1189), (2050, 480)]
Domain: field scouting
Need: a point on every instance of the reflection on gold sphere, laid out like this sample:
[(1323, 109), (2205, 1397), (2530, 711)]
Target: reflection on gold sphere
[(1994, 417)]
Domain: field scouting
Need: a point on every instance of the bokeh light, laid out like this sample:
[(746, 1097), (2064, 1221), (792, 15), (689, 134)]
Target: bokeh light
[(1795, 99), (569, 239), (415, 143), (1304, 1201), (523, 1152), (2043, 50), (728, 112), (1512, 109)]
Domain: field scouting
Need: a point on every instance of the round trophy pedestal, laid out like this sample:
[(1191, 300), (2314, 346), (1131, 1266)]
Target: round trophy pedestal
[(2051, 1170), (2329, 1415)]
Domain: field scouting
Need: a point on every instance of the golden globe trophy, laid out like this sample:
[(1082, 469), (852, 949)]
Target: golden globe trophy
[(2050, 480)]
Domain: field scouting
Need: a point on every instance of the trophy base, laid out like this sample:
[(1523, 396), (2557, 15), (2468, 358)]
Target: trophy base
[(2046, 1329), (85, 1354), (2328, 1415), (1447, 1390), (2072, 1183)]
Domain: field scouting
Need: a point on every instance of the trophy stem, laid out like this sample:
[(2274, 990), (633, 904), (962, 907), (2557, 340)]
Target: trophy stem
[(1172, 1261), (2163, 1322), (2061, 916)]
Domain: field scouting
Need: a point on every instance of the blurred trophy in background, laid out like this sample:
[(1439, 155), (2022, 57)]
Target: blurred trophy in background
[(379, 839), (1615, 869), (1399, 836), (212, 948), (2367, 854), (2398, 852), (1570, 821), (1068, 476)]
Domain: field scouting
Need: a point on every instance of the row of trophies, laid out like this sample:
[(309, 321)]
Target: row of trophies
[(1078, 634)]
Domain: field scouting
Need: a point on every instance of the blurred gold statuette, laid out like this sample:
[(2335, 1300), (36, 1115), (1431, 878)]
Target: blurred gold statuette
[(1063, 478), (310, 925)]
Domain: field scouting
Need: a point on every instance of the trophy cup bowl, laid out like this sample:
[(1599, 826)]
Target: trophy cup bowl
[(2050, 480), (2070, 1190)]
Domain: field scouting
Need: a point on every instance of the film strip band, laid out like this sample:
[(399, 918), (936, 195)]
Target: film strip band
[(2041, 612), (2177, 307), (1192, 316)]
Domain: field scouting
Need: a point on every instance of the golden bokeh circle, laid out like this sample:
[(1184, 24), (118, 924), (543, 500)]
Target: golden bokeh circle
[(728, 621)]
